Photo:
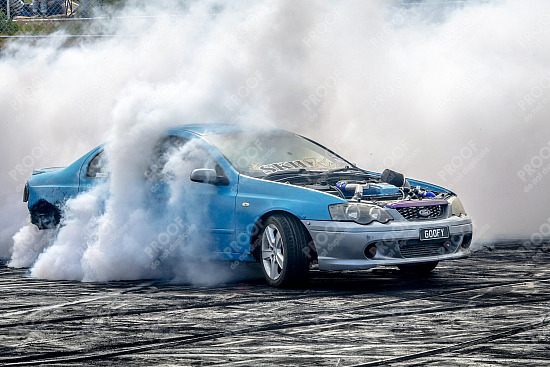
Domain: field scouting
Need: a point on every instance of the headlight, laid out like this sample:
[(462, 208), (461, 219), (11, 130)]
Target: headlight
[(456, 207), (359, 213)]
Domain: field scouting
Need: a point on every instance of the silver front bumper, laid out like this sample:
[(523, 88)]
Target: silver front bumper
[(341, 245)]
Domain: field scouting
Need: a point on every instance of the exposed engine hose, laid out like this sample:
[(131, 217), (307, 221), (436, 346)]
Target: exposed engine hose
[(399, 180), (417, 193), (356, 188)]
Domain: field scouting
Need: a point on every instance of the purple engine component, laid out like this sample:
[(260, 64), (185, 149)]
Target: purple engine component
[(414, 203)]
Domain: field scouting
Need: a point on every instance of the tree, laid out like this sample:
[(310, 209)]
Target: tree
[(7, 26)]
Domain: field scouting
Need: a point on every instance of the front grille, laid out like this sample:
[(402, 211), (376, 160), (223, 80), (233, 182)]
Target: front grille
[(417, 248), (414, 212)]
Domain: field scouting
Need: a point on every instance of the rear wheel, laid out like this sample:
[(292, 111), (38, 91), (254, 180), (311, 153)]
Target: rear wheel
[(284, 249), (44, 215), (418, 269)]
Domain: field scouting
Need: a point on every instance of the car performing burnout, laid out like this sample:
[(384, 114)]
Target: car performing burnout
[(289, 203)]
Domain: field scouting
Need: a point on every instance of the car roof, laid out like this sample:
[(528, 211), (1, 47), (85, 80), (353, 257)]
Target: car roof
[(203, 129)]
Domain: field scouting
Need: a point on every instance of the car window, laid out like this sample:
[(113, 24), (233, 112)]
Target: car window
[(192, 156), (198, 157), (96, 168), (162, 151)]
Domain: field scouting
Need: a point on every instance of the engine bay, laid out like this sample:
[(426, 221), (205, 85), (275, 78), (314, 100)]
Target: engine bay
[(356, 185)]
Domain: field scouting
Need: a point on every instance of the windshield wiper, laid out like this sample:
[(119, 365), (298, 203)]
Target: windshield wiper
[(296, 171), (320, 173), (347, 168), (350, 171), (343, 169)]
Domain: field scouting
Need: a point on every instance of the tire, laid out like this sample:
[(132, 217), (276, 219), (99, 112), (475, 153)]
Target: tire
[(283, 251), (45, 216), (418, 269)]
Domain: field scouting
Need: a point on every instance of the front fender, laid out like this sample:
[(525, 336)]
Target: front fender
[(256, 197)]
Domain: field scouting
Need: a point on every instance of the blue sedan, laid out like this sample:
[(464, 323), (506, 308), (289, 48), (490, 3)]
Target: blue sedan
[(287, 202)]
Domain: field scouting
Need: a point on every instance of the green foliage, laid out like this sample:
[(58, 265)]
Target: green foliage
[(7, 26)]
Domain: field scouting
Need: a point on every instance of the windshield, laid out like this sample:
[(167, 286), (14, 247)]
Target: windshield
[(260, 154)]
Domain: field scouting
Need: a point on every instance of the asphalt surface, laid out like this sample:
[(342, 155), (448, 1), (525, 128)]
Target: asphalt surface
[(490, 309)]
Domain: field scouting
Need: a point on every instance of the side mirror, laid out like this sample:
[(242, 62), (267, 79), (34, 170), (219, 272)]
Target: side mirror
[(207, 175)]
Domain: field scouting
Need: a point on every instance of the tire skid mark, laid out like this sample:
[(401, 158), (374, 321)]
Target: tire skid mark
[(229, 304), (494, 335), (145, 345), (80, 301)]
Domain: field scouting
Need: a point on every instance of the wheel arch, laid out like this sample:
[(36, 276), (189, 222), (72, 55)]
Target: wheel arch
[(42, 208), (255, 236)]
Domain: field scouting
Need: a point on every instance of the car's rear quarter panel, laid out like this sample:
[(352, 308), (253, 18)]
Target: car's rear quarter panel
[(55, 187)]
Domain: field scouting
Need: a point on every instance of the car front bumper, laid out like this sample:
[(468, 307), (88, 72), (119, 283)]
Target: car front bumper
[(349, 246)]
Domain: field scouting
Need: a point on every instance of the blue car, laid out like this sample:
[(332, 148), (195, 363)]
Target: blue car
[(287, 202)]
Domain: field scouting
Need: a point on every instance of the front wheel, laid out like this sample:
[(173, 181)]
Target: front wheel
[(418, 269), (284, 251)]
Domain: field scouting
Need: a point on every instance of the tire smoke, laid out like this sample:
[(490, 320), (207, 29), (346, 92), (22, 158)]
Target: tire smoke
[(452, 93)]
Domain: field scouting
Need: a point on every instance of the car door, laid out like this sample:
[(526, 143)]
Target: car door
[(207, 210)]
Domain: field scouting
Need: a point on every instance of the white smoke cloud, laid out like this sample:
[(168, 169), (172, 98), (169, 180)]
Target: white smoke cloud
[(29, 242), (119, 231), (64, 256), (456, 94)]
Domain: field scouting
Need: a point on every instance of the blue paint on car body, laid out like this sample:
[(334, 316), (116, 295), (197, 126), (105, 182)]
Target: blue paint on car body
[(284, 183)]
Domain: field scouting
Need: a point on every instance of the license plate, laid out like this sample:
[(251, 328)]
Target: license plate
[(434, 233)]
